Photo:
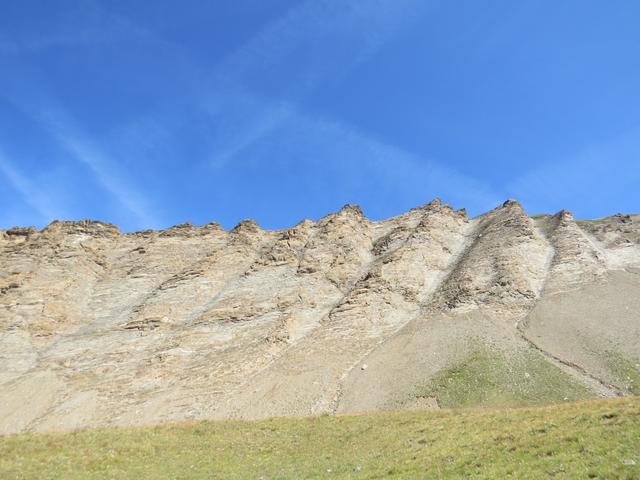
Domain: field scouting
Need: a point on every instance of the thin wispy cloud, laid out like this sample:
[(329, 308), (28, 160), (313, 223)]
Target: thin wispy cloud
[(242, 117), (353, 165), (248, 107), (51, 40), (399, 100), (358, 29), (105, 169), (332, 149), (79, 24), (589, 179), (33, 98), (390, 171), (240, 120), (301, 36), (30, 194)]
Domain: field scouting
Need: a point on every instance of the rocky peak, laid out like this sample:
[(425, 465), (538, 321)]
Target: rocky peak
[(88, 227), (621, 218), (564, 218), (511, 203), (301, 229), (181, 230), (352, 210), (434, 205), (187, 229), (246, 227), (20, 232)]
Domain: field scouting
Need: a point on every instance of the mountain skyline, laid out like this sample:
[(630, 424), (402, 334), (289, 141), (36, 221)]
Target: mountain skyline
[(151, 115)]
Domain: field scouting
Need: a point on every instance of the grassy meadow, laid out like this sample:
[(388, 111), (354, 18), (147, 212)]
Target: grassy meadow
[(582, 440), (489, 379)]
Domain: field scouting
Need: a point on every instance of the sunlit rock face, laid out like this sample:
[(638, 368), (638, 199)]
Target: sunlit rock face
[(98, 327)]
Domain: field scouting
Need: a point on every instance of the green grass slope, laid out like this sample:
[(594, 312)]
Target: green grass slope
[(490, 379), (595, 439), (626, 372)]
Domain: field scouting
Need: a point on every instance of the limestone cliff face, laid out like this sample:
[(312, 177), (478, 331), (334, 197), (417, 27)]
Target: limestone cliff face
[(98, 327)]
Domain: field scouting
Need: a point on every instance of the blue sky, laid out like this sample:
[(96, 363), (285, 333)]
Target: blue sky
[(148, 114)]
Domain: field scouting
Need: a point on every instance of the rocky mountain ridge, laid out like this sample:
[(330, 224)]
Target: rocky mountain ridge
[(98, 327)]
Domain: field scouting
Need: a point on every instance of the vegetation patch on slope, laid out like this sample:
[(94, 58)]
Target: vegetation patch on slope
[(624, 370), (596, 439), (487, 378)]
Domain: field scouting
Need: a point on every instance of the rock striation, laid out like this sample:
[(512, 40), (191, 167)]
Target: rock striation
[(100, 327)]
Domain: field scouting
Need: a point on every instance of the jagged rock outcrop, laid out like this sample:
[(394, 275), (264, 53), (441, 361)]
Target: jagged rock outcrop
[(100, 327)]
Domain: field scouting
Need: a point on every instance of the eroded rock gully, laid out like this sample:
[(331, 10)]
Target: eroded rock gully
[(98, 327)]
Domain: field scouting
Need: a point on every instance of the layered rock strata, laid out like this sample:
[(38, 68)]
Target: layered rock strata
[(99, 327)]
